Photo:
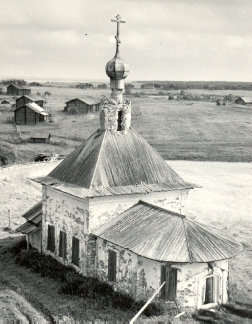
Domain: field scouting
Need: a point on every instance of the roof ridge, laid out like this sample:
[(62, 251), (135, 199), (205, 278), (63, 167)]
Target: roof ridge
[(162, 208), (187, 240), (218, 235), (216, 245), (98, 159)]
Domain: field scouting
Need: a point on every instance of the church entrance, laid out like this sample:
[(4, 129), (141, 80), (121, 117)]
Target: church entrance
[(211, 290), (169, 290)]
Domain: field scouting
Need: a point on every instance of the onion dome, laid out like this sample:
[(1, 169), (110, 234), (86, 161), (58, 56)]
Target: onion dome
[(117, 69)]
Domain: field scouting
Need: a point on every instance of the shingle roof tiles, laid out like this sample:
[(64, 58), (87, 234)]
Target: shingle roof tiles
[(162, 235), (111, 163)]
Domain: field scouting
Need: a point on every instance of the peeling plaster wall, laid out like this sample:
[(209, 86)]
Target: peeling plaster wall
[(192, 282), (34, 239), (69, 214), (102, 209), (141, 277)]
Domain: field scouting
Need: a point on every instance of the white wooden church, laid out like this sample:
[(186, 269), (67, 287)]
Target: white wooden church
[(114, 210)]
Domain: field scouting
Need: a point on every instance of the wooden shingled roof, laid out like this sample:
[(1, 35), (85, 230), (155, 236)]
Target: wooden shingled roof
[(163, 235), (33, 219), (111, 163)]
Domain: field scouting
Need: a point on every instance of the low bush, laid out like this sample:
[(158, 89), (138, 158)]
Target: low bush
[(73, 283), (19, 246)]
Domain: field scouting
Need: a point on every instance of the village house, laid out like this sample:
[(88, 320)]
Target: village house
[(35, 84), (128, 88), (18, 90), (244, 101), (29, 114), (147, 86), (113, 209), (21, 101), (102, 86), (84, 86), (5, 102), (83, 105)]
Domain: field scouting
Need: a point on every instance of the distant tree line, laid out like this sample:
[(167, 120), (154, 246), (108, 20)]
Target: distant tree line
[(14, 81), (210, 85)]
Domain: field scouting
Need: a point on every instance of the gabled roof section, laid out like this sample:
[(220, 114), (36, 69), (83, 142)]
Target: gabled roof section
[(111, 163), (87, 100), (32, 97), (246, 99), (36, 108), (40, 134), (162, 235), (18, 86), (34, 219)]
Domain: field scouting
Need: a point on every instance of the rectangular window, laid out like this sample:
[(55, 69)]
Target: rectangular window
[(169, 290), (63, 245), (51, 238), (111, 265), (75, 250)]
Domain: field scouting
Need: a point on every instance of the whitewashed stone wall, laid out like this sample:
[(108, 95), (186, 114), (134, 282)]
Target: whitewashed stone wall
[(141, 277), (102, 209), (69, 214)]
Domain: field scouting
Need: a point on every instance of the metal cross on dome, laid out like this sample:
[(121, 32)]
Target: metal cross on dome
[(118, 21)]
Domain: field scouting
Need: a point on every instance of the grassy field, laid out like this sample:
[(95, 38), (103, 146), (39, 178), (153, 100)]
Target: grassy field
[(224, 202), (178, 130)]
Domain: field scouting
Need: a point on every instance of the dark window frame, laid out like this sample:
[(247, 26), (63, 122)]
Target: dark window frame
[(169, 290), (63, 245), (51, 238), (75, 251), (112, 265), (119, 120)]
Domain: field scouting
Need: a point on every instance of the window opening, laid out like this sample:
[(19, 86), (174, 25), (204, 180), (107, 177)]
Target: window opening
[(119, 120), (75, 250), (62, 244), (111, 265), (51, 238)]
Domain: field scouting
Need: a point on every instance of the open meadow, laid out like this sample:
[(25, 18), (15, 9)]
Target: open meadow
[(178, 130)]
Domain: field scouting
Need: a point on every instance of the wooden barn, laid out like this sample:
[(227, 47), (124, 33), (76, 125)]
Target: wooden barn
[(30, 114), (40, 137), (35, 84), (102, 86), (84, 86), (147, 86), (5, 102), (83, 105), (244, 101), (128, 88), (17, 90), (21, 101)]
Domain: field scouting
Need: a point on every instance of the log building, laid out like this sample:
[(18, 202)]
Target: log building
[(83, 105), (18, 90), (29, 114), (21, 101)]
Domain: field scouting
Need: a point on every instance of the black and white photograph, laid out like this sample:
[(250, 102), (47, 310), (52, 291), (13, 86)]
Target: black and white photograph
[(126, 161)]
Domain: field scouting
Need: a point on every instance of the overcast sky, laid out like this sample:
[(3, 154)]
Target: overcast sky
[(161, 40)]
